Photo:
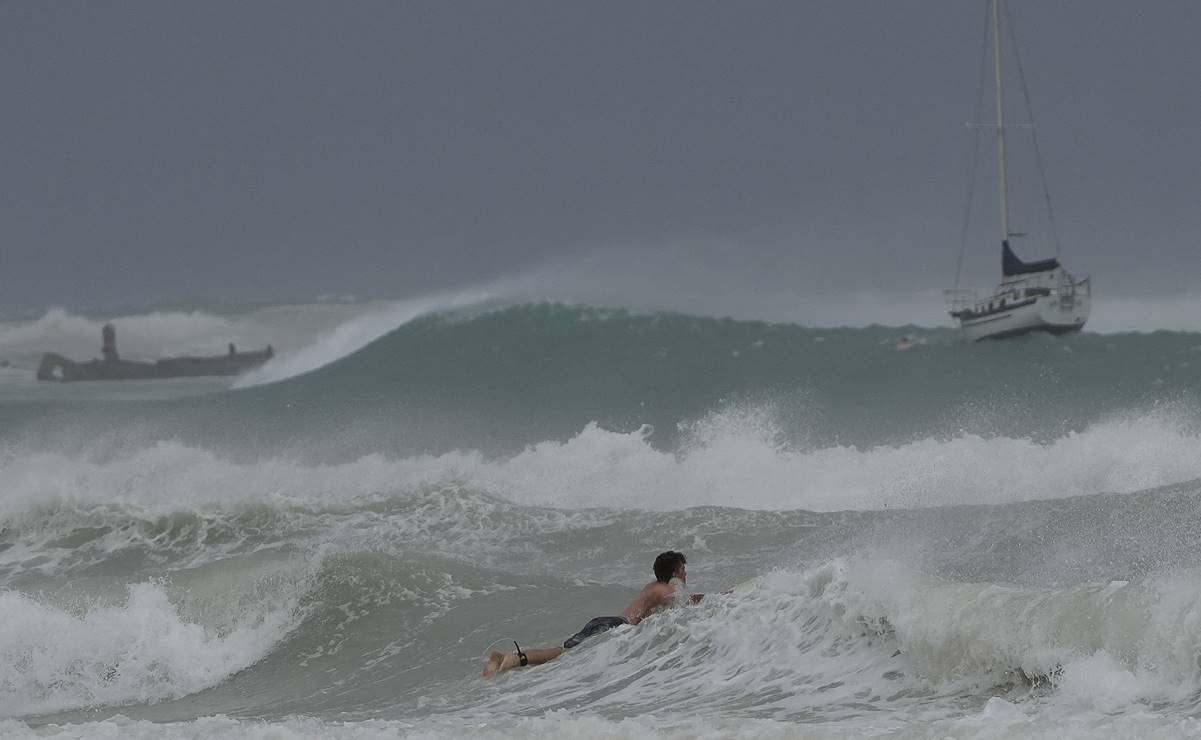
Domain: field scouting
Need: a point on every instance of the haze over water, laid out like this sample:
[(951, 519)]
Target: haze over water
[(918, 542), (596, 281)]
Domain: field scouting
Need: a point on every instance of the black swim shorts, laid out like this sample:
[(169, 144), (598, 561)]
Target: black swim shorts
[(594, 627)]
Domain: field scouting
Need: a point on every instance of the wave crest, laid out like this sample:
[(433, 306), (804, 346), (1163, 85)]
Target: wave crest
[(54, 659), (734, 460)]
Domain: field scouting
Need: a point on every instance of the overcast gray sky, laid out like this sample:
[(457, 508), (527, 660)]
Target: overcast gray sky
[(274, 151)]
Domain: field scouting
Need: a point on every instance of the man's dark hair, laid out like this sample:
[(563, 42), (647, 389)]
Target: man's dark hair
[(666, 564)]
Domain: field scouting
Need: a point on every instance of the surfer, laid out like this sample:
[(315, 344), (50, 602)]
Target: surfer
[(656, 595)]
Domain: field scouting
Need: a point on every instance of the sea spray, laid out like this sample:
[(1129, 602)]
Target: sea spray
[(722, 465), (935, 542), (109, 655)]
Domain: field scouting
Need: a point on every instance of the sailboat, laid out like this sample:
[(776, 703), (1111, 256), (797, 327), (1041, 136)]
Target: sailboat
[(1038, 296)]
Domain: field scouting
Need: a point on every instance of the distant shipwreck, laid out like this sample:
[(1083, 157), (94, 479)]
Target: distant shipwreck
[(56, 367)]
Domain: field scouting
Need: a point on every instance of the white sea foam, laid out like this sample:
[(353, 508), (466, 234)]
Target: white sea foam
[(735, 459), (822, 644), (731, 459), (141, 650), (992, 724), (1106, 646), (809, 649)]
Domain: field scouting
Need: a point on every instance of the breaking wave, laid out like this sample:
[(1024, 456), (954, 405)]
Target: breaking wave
[(734, 459)]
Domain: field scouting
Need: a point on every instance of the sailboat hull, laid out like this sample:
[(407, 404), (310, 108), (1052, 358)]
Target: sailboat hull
[(1052, 314), (1038, 296)]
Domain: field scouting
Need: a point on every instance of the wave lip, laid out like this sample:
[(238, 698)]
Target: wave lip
[(356, 333), (53, 659)]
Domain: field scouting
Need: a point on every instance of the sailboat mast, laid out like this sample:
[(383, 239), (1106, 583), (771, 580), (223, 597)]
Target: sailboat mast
[(1003, 186)]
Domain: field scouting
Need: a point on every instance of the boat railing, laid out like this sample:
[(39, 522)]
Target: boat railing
[(1071, 286), (959, 300), (1083, 285), (1064, 285)]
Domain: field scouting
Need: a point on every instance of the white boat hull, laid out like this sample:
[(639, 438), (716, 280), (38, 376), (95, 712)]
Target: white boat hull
[(1051, 314)]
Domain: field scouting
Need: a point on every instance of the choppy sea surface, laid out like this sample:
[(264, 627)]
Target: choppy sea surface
[(955, 540)]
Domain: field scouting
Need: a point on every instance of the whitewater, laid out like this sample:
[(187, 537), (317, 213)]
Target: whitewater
[(969, 541)]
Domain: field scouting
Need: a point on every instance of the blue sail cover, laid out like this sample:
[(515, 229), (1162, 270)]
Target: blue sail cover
[(1011, 265)]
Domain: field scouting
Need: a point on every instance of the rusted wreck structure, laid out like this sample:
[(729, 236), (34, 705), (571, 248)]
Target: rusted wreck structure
[(111, 367)]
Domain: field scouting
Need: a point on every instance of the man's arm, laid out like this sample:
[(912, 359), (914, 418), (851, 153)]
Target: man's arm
[(696, 598)]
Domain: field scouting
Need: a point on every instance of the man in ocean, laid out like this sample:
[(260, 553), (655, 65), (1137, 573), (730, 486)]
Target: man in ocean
[(656, 595)]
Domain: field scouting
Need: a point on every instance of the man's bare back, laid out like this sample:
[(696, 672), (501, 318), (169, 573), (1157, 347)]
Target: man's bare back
[(656, 595)]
